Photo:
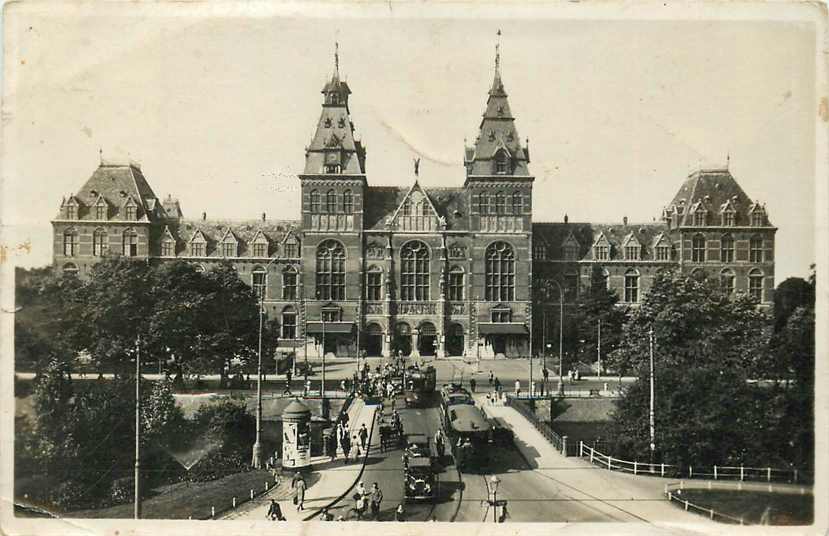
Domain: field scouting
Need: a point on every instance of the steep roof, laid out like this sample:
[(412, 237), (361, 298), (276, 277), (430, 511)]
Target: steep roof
[(554, 235), (115, 184), (713, 190), (382, 202), (244, 231), (496, 131)]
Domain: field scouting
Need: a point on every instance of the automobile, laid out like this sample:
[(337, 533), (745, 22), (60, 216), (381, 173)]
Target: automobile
[(418, 446), (419, 480)]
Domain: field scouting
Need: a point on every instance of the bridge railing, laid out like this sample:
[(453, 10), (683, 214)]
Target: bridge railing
[(559, 442), (716, 472)]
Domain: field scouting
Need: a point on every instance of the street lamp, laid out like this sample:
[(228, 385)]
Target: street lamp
[(256, 461), (137, 477), (560, 334), (651, 413), (493, 485)]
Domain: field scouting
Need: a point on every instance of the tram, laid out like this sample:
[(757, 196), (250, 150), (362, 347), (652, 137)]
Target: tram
[(419, 385)]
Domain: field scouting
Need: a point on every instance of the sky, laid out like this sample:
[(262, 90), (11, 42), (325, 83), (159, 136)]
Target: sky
[(219, 108)]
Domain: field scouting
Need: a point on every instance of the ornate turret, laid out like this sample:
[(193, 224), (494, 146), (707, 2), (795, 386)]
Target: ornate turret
[(497, 150), (334, 150)]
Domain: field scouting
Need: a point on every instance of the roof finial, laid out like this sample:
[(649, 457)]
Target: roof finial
[(416, 165), (498, 52), (728, 160), (101, 154), (336, 59)]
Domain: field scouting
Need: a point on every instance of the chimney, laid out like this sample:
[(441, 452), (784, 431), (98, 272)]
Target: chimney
[(625, 221), (566, 219), (263, 216), (204, 216)]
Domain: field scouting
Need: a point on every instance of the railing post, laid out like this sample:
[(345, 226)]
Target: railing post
[(662, 473), (742, 473), (712, 513), (591, 455), (234, 503), (635, 467), (686, 505), (212, 512), (768, 474), (608, 462), (266, 485), (715, 472), (795, 475), (564, 445), (690, 471), (251, 494), (581, 449)]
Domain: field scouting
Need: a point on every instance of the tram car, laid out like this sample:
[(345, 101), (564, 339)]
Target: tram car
[(419, 385), (470, 433), (452, 393)]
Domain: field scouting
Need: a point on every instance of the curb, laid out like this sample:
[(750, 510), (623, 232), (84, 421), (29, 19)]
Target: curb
[(460, 495), (356, 480)]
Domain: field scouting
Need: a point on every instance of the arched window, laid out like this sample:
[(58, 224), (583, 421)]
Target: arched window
[(70, 242), (727, 248), (289, 323), (500, 203), (632, 286), (698, 248), (315, 201), (331, 202), (456, 283), (348, 202), (289, 283), (70, 269), (755, 284), (99, 242), (500, 272), (331, 271), (130, 244), (517, 204), (755, 249), (374, 283), (727, 278), (414, 271), (259, 281)]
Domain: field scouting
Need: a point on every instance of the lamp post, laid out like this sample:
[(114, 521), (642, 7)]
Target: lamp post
[(493, 483), (256, 460), (651, 413), (599, 352), (560, 335), (137, 476)]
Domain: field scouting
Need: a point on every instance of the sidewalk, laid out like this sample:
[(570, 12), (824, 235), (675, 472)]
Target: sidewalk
[(638, 496), (326, 482)]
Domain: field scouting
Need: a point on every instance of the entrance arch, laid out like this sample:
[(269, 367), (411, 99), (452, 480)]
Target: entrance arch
[(402, 339), (374, 340), (427, 339), (454, 340)]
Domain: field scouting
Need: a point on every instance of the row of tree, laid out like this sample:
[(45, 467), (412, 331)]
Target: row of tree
[(196, 322)]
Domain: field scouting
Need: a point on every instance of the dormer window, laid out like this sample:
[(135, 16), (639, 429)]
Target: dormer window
[(570, 251), (228, 249), (101, 211), (332, 168), (291, 248), (632, 252), (131, 212), (601, 252), (168, 248), (699, 218), (407, 208), (663, 252), (260, 249), (757, 219), (501, 163), (539, 251), (198, 247), (728, 219), (71, 212)]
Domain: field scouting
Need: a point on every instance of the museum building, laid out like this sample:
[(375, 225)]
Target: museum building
[(424, 271)]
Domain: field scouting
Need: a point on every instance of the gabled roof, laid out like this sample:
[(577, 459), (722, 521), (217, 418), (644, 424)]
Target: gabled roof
[(631, 239), (243, 231), (589, 235), (259, 237), (381, 203), (115, 182), (229, 237), (167, 234), (709, 189), (414, 189)]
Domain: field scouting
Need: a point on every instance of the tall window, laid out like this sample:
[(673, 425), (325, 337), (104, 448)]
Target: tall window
[(101, 211), (332, 168), (168, 248), (727, 278), (699, 218), (331, 202), (601, 253), (198, 248), (500, 272), (757, 219), (348, 202), (698, 248), (259, 279), (70, 243), (228, 249), (755, 284), (570, 251), (289, 323), (501, 163), (456, 283), (414, 272), (500, 203), (631, 286), (315, 201), (663, 253), (331, 271), (99, 243), (755, 249), (501, 315), (291, 248), (260, 249), (289, 283), (332, 314), (728, 218), (726, 248), (132, 212), (374, 284), (130, 243), (71, 212), (539, 251), (571, 285), (517, 204), (484, 204)]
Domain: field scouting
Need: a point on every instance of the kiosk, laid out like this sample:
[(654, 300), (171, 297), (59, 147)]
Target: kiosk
[(296, 436)]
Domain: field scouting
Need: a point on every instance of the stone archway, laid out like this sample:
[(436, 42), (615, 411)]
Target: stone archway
[(427, 339), (402, 341), (455, 340), (374, 340)]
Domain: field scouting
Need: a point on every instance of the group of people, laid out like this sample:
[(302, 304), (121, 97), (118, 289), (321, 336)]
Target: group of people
[(298, 485), (343, 439)]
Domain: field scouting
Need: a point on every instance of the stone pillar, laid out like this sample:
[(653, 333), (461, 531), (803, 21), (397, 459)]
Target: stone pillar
[(415, 337), (441, 337), (384, 350)]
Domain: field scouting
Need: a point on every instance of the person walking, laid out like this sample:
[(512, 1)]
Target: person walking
[(472, 384), (546, 374), (491, 379), (376, 498), (361, 488), (360, 501), (345, 444), (497, 384), (326, 515), (440, 445), (332, 445), (363, 435), (400, 513), (275, 512), (299, 486), (517, 388)]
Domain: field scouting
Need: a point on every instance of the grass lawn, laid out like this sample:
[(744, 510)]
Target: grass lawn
[(750, 505), (184, 500)]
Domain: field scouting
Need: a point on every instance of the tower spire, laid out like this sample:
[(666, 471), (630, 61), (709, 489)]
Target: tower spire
[(498, 53), (336, 60)]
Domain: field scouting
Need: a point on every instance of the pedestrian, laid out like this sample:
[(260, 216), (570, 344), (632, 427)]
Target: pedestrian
[(307, 387), (326, 515), (497, 384), (332, 445), (400, 513), (299, 486), (275, 512), (517, 388), (376, 498), (345, 444), (360, 505), (357, 451), (578, 375), (491, 378), (343, 386), (361, 489), (389, 389), (363, 435), (440, 445), (472, 384)]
